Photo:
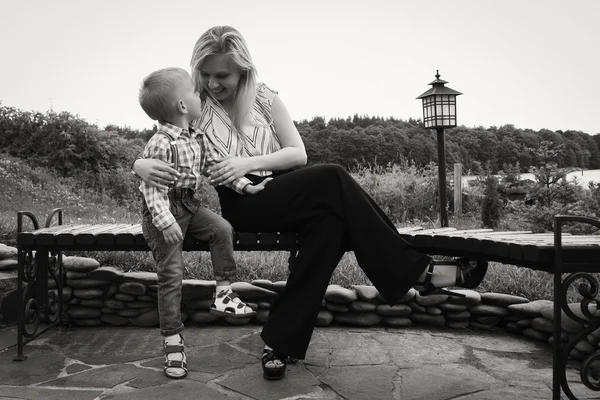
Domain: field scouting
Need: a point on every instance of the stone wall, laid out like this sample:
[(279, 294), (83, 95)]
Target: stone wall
[(96, 295)]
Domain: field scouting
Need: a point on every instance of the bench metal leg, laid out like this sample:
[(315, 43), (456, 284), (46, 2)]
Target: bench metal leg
[(37, 300), (587, 287)]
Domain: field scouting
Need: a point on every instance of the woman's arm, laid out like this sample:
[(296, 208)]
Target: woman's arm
[(156, 173), (292, 153)]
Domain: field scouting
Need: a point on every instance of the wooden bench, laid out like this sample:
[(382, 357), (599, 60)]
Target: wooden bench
[(577, 255)]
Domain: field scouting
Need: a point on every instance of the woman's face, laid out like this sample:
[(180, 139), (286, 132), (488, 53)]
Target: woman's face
[(220, 77)]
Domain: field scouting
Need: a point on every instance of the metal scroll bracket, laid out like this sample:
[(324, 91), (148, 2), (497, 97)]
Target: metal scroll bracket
[(39, 285)]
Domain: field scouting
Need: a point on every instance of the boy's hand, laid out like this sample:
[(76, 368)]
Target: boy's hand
[(253, 189), (172, 234)]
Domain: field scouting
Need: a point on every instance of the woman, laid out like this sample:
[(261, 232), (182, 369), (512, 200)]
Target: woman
[(249, 124)]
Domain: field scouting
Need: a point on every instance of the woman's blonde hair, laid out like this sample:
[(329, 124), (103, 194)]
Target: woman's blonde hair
[(227, 40)]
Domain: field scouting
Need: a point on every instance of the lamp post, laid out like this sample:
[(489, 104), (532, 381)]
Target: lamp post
[(439, 112)]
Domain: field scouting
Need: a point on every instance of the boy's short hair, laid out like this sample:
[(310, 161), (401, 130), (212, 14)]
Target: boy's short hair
[(158, 90)]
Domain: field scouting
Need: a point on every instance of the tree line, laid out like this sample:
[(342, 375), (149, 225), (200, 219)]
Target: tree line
[(101, 157)]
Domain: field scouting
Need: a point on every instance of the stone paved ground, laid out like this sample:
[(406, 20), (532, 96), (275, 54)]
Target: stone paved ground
[(342, 363)]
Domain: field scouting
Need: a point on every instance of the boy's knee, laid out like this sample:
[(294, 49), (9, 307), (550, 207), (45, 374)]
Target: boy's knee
[(222, 227)]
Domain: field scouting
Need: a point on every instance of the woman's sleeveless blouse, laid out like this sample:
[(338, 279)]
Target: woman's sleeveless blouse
[(258, 135)]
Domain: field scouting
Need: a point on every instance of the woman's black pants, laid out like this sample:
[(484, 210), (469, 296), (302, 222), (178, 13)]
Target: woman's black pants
[(331, 213)]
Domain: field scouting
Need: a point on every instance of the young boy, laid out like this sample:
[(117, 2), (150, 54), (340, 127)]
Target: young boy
[(168, 96)]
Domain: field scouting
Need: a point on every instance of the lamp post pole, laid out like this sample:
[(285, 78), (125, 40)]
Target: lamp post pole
[(442, 177)]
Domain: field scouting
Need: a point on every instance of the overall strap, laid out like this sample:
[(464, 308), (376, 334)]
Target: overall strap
[(174, 153)]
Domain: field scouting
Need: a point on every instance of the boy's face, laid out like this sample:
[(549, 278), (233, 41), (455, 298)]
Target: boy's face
[(187, 93)]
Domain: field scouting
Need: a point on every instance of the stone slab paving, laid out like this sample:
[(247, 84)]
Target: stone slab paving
[(342, 363)]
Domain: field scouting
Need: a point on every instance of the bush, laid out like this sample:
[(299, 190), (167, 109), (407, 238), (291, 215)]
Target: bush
[(491, 206)]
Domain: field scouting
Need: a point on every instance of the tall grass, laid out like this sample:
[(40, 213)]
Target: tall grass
[(406, 194)]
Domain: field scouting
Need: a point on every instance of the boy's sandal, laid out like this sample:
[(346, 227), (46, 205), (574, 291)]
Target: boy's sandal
[(469, 274), (175, 369), (225, 306), (273, 365)]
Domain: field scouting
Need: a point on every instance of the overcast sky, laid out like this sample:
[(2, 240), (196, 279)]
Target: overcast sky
[(530, 63)]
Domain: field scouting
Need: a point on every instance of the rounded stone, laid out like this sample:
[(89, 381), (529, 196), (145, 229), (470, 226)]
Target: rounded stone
[(452, 308), (433, 310), (513, 327), (84, 313), (129, 312), (112, 290), (124, 297), (202, 317), (93, 303), (535, 334), (458, 316), (416, 307), (501, 299), (567, 323), (542, 324), (84, 283), (426, 319), (8, 252), (483, 326), (143, 277), (80, 264), (264, 305), (75, 275), (67, 293), (397, 322), (263, 283), (340, 295), (530, 310), (90, 293), (489, 320), (362, 306), (365, 292), (335, 307), (431, 300), (483, 309), (472, 298), (397, 310), (524, 323), (279, 286), (324, 318), (138, 304), (585, 347), (107, 273), (249, 292), (458, 324), (114, 304), (133, 288)]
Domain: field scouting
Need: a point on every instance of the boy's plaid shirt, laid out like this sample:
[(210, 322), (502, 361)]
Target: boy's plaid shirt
[(195, 156)]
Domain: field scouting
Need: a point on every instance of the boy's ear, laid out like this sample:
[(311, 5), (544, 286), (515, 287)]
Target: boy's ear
[(181, 107)]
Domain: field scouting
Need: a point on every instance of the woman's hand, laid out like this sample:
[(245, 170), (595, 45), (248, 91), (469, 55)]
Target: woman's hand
[(156, 173), (228, 169)]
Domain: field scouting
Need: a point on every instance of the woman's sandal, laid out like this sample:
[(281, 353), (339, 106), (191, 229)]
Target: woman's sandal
[(469, 274), (225, 306), (173, 365), (276, 370)]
